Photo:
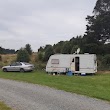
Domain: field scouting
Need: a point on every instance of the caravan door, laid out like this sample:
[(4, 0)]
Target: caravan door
[(75, 64)]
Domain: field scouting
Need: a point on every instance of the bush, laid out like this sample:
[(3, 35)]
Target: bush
[(40, 66), (23, 55), (104, 62)]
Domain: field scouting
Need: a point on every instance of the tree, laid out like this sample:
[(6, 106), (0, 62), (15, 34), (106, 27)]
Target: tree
[(28, 48), (105, 62), (102, 6), (106, 48), (58, 47), (40, 56), (98, 28), (78, 40), (91, 48), (48, 52), (66, 49), (74, 49), (23, 55), (41, 49)]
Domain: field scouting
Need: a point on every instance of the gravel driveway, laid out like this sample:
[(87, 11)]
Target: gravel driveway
[(25, 96)]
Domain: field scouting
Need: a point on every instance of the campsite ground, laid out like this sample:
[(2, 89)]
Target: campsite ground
[(97, 86)]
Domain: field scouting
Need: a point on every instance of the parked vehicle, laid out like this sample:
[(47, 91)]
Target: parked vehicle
[(76, 63), (19, 66)]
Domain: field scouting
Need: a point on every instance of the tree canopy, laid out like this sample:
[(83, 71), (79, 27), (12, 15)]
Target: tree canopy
[(102, 6), (98, 28)]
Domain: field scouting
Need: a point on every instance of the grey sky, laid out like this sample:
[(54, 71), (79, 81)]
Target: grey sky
[(40, 22)]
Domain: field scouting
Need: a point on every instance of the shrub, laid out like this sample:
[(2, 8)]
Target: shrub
[(23, 55)]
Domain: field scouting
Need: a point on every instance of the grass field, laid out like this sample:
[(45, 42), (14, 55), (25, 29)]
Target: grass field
[(97, 86), (4, 107)]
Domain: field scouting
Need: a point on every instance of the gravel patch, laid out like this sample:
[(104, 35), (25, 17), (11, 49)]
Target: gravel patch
[(26, 96)]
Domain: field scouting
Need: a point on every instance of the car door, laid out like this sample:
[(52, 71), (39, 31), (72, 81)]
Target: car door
[(12, 67), (15, 66), (18, 66)]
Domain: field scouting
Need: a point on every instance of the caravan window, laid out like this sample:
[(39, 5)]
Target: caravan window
[(55, 61)]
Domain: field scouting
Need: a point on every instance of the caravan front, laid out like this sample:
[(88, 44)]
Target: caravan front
[(77, 63)]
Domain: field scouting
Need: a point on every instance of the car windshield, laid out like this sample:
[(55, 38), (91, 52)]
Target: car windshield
[(26, 63)]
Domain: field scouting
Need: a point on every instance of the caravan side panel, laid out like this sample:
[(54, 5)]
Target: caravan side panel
[(88, 63), (62, 63)]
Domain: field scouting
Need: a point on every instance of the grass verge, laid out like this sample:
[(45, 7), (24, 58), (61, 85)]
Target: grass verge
[(4, 107), (97, 86)]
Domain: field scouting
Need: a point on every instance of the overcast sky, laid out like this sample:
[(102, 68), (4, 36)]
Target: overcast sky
[(40, 22)]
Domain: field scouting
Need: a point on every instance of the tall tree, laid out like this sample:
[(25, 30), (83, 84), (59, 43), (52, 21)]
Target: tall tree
[(28, 48), (102, 6), (98, 28)]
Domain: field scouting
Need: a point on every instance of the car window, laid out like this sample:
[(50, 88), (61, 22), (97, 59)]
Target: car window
[(13, 64), (18, 64), (26, 63)]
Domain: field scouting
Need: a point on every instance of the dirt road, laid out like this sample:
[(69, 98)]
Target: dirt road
[(25, 96)]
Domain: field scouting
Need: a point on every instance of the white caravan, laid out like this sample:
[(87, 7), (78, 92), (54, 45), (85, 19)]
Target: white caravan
[(76, 63)]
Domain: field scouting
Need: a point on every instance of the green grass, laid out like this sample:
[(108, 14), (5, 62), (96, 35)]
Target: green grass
[(4, 107), (97, 86)]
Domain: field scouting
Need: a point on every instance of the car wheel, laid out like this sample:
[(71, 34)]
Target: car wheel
[(22, 70), (4, 70)]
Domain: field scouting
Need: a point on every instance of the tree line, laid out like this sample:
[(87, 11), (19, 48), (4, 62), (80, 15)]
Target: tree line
[(7, 51)]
